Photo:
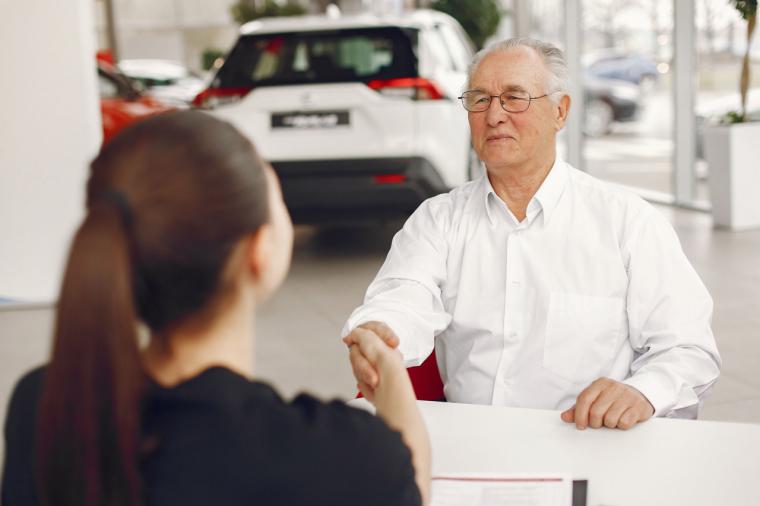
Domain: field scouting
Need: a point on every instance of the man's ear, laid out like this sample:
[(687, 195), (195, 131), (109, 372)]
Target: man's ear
[(562, 110), (259, 249)]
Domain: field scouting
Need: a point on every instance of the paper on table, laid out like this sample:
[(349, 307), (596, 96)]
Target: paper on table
[(502, 490)]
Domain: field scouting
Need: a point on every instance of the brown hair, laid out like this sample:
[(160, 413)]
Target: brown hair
[(167, 201)]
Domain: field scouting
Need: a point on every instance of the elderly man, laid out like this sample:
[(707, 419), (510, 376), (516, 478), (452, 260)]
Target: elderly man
[(538, 285)]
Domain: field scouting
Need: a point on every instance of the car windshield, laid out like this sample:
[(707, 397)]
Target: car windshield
[(319, 57)]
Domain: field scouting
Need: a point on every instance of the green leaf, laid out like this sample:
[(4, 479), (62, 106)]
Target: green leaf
[(479, 18), (746, 8), (246, 10)]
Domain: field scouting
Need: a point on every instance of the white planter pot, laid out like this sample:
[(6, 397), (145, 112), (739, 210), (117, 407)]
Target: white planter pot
[(733, 159)]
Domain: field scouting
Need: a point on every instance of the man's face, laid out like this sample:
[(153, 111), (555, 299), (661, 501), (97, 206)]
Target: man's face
[(505, 139)]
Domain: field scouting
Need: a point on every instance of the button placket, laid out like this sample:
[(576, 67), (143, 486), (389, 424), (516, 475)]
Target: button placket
[(509, 329)]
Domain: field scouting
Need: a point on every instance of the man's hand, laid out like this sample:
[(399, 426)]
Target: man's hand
[(366, 375), (609, 403)]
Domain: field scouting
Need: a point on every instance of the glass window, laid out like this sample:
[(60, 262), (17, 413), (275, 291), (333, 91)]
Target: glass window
[(628, 118), (721, 44), (320, 57), (547, 21)]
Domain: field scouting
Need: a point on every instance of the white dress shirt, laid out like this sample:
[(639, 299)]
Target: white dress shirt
[(592, 283)]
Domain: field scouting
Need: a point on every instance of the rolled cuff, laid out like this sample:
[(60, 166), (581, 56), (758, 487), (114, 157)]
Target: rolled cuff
[(653, 386)]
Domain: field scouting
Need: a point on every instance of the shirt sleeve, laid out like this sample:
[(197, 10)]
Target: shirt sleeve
[(669, 313), (406, 294)]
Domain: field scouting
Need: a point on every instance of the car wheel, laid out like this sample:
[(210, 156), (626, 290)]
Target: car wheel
[(474, 165), (599, 116)]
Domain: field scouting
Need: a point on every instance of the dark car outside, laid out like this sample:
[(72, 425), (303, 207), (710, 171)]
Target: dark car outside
[(634, 68), (608, 101)]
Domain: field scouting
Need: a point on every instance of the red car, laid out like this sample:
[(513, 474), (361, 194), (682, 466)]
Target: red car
[(121, 101)]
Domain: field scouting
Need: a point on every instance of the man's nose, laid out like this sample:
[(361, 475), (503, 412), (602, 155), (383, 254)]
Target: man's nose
[(495, 113)]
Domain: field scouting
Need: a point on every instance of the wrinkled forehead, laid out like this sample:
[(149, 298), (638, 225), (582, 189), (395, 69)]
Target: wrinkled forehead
[(519, 68)]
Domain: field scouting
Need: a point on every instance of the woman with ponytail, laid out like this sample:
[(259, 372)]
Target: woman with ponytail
[(185, 235)]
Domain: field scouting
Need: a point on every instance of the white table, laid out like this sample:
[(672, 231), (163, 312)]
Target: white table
[(661, 462)]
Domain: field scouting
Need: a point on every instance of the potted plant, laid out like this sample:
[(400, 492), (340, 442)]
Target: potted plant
[(732, 150)]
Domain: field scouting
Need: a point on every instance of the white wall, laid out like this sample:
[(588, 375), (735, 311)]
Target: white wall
[(169, 29), (49, 130)]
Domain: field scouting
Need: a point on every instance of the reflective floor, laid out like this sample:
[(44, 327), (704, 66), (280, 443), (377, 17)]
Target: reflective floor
[(298, 346)]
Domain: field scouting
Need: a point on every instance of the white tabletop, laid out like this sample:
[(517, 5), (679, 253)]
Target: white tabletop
[(661, 462)]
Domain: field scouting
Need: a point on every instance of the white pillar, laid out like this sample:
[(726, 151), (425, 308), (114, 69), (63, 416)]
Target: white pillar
[(50, 130), (684, 89), (573, 53), (521, 18)]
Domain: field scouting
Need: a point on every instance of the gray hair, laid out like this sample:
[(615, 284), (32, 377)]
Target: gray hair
[(551, 55)]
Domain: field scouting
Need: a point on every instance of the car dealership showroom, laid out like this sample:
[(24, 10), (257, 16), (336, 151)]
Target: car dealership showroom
[(544, 215)]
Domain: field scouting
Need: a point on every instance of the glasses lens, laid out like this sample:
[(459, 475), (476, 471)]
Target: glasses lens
[(475, 100), (515, 101)]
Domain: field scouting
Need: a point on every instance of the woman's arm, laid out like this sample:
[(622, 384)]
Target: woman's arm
[(393, 396)]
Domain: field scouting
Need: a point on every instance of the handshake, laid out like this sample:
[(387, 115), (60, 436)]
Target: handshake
[(376, 362)]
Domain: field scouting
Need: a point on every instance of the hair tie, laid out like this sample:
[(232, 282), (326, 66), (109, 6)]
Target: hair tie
[(118, 199)]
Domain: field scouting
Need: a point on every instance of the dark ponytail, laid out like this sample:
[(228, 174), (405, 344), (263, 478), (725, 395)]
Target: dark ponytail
[(168, 199), (88, 424)]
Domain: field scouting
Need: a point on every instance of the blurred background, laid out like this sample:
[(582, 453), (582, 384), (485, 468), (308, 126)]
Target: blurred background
[(626, 56), (648, 78)]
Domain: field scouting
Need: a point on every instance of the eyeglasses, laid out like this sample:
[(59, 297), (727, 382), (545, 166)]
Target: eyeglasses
[(511, 101)]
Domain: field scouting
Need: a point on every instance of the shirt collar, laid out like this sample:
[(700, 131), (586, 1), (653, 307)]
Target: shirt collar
[(488, 196), (551, 189), (545, 199)]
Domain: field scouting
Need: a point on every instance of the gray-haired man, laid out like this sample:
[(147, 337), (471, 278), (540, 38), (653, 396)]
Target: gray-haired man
[(542, 286)]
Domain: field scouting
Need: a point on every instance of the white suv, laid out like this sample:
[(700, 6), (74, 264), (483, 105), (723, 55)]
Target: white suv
[(358, 115)]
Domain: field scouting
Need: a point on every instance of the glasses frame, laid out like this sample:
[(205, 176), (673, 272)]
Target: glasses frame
[(501, 102)]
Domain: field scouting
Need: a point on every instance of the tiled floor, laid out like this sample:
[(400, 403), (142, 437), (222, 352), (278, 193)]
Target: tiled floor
[(298, 346)]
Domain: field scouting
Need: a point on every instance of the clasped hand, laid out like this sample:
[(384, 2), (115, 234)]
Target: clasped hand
[(373, 355)]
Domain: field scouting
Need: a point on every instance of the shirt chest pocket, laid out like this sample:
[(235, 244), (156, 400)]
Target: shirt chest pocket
[(582, 335)]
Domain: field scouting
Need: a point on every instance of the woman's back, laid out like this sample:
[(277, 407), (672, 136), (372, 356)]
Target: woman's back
[(219, 438), (186, 233)]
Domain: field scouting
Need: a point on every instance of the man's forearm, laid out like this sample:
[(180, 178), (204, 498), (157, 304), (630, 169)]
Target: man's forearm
[(675, 381), (410, 310)]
